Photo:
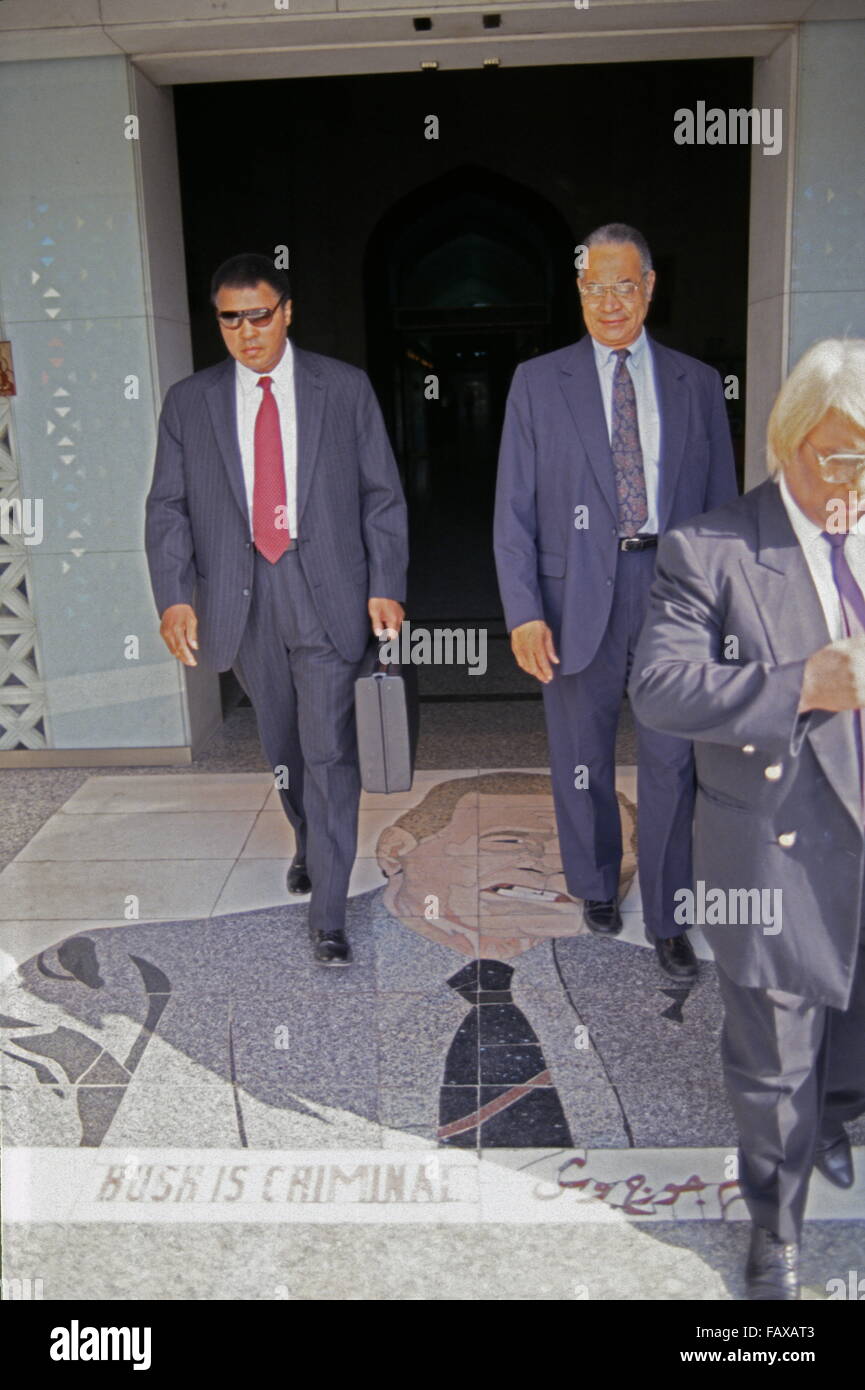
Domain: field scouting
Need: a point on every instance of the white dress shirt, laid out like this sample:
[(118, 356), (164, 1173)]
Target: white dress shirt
[(818, 558), (642, 370), (249, 395)]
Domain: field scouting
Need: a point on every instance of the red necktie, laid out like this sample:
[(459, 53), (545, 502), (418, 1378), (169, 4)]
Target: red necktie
[(269, 512)]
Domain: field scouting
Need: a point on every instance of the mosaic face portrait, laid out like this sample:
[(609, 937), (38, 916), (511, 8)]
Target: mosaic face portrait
[(476, 865)]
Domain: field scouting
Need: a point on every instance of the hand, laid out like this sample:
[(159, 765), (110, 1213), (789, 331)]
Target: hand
[(532, 645), (834, 677), (179, 632), (385, 613)]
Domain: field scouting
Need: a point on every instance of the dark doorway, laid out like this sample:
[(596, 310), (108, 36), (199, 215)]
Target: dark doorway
[(454, 257), (464, 278)]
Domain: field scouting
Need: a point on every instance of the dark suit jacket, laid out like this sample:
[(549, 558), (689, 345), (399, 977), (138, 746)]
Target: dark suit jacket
[(351, 527), (555, 456), (778, 796)]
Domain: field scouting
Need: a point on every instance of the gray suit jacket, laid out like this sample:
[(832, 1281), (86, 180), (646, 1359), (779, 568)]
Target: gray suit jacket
[(351, 528), (555, 456), (778, 795)]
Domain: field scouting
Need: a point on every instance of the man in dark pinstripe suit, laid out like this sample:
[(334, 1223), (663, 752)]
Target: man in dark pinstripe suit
[(276, 535)]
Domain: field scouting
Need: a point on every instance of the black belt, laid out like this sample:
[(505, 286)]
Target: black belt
[(637, 542)]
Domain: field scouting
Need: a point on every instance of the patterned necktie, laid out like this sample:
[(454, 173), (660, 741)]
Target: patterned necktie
[(626, 450), (497, 1091), (268, 490), (853, 610)]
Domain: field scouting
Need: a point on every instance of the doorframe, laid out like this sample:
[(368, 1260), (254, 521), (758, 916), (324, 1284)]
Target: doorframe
[(775, 84), (775, 52), (770, 253)]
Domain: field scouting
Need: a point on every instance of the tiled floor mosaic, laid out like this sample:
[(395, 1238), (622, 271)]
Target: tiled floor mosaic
[(172, 1057)]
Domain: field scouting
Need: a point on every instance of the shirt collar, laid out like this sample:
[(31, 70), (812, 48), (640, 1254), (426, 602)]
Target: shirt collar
[(807, 531), (281, 375), (604, 355)]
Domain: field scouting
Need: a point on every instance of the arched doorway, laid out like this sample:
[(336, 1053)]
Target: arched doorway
[(464, 278)]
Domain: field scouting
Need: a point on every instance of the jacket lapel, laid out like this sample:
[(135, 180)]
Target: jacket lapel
[(795, 626), (582, 392), (222, 405), (310, 394), (673, 407)]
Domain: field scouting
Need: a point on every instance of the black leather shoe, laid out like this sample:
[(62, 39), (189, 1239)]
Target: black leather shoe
[(676, 957), (834, 1159), (297, 880), (603, 918), (772, 1271), (330, 947)]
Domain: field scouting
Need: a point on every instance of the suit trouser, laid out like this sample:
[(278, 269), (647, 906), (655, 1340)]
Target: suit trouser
[(794, 1071), (582, 713), (302, 692)]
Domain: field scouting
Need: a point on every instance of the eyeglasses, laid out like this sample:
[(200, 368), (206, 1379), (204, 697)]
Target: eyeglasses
[(623, 289), (233, 318), (840, 468)]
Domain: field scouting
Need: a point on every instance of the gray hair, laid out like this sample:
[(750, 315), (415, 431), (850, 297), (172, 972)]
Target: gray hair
[(620, 234), (829, 376)]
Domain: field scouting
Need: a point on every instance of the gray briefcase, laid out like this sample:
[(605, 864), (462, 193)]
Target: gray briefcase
[(386, 713)]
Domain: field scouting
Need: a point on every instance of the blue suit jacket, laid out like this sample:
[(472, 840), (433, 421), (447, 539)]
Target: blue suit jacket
[(555, 457), (779, 808), (351, 528)]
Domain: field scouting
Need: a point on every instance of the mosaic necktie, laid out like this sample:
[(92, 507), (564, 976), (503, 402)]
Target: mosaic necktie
[(497, 1091), (626, 450), (268, 491), (853, 610)]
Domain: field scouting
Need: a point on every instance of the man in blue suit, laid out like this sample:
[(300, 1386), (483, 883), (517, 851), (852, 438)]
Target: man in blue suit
[(276, 536), (606, 444)]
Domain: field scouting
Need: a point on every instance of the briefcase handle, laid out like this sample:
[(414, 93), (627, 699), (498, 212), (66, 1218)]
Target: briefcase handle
[(386, 668)]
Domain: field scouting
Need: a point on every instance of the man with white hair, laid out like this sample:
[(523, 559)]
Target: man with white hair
[(606, 444), (754, 647)]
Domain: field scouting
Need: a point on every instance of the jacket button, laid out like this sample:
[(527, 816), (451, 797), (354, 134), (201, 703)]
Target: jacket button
[(787, 839), (609, 582), (774, 772), (249, 545), (749, 748), (246, 593)]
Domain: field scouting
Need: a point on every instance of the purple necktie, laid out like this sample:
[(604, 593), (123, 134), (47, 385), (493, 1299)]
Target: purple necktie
[(626, 450), (853, 610)]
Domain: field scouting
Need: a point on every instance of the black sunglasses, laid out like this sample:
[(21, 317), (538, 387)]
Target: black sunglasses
[(233, 318)]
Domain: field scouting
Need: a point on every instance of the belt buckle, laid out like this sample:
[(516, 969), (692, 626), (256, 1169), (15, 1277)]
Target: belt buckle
[(629, 543)]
